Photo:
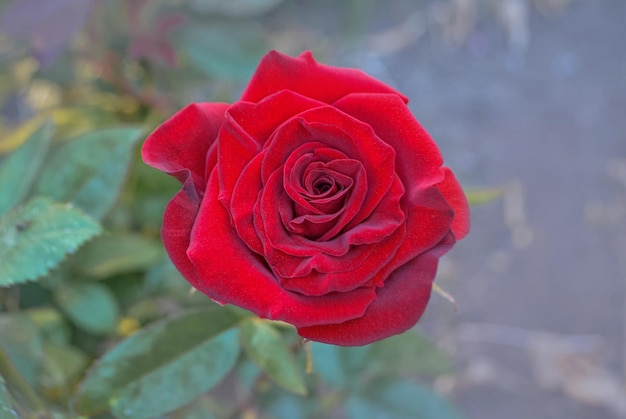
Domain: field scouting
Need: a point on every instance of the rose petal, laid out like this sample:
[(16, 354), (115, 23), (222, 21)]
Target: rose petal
[(455, 196), (398, 306), (309, 226), (306, 76), (338, 130), (338, 184), (342, 264), (246, 129), (341, 207), (231, 273), (183, 141), (295, 170), (427, 230), (418, 159), (261, 119), (236, 148), (383, 221), (178, 220), (345, 274), (428, 225), (268, 218), (244, 198)]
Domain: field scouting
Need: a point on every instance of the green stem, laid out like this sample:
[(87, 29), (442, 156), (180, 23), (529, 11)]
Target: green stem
[(17, 381)]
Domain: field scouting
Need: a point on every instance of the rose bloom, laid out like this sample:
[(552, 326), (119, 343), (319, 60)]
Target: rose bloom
[(316, 199)]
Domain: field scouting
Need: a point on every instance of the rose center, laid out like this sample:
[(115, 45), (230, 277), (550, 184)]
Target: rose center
[(323, 185)]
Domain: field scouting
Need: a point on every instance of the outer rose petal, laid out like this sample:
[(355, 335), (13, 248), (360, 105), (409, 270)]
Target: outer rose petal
[(178, 221), (418, 159), (432, 237), (245, 195), (180, 145), (398, 306), (306, 76), (261, 119), (455, 196), (231, 273)]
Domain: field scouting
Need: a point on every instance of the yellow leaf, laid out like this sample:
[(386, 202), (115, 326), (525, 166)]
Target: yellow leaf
[(483, 196), (16, 137)]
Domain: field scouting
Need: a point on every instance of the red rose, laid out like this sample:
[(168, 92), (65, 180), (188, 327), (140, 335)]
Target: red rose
[(316, 199)]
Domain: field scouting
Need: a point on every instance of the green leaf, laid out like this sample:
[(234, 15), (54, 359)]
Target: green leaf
[(18, 170), (6, 407), (115, 254), (22, 343), (62, 366), (35, 237), (277, 404), (162, 367), (234, 8), (127, 289), (164, 278), (399, 399), (50, 324), (263, 344), (247, 374), (151, 193), (89, 171), (72, 121), (398, 356), (483, 196), (340, 367), (90, 306), (202, 408), (229, 51), (408, 353), (286, 405)]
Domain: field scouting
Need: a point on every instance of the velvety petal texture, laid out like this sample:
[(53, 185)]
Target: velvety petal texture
[(316, 199)]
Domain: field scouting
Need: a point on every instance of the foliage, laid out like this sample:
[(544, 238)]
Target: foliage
[(94, 319)]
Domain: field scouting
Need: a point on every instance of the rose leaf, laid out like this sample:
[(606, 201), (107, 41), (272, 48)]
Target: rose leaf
[(116, 254), (90, 170), (399, 399), (35, 237), (90, 306), (339, 367), (6, 407), (18, 170), (162, 367), (62, 366), (263, 344), (408, 353), (22, 343), (226, 51)]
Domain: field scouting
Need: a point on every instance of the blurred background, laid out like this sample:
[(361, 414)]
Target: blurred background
[(524, 95)]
